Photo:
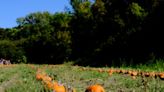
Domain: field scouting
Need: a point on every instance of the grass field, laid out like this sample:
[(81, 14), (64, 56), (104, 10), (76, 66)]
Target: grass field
[(22, 78)]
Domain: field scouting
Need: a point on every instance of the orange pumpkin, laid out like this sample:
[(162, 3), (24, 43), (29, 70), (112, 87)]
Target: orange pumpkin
[(122, 71), (161, 76), (146, 74), (116, 70), (39, 76), (100, 70), (47, 78), (57, 87), (152, 74), (95, 88), (134, 73), (49, 84), (110, 72), (129, 72)]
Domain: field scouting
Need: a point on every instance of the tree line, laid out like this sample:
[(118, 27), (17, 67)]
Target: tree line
[(93, 32)]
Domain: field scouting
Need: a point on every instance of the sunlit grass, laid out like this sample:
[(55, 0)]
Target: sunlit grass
[(21, 78)]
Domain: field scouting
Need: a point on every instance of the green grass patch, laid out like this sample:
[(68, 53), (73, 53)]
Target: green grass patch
[(21, 78)]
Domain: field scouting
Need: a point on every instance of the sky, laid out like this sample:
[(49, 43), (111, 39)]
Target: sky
[(10, 10)]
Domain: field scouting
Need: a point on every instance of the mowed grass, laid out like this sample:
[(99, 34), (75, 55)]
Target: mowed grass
[(21, 78)]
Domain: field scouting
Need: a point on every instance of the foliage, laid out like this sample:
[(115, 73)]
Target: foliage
[(114, 32), (93, 32), (47, 37), (9, 50)]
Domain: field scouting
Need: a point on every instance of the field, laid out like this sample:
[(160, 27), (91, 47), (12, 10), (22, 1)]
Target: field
[(22, 78)]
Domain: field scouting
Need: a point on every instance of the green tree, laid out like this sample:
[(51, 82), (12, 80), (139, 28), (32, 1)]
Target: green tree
[(47, 37), (109, 30), (9, 50)]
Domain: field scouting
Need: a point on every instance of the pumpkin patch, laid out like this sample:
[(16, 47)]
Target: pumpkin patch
[(64, 78)]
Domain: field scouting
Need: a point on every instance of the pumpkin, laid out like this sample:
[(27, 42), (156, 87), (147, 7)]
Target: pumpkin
[(57, 87), (39, 76), (47, 78), (100, 70), (129, 72), (110, 72), (122, 71), (161, 76), (152, 74), (117, 70), (48, 84), (146, 74), (95, 88), (134, 73)]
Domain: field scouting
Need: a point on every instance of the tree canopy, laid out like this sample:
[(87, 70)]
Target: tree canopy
[(94, 32)]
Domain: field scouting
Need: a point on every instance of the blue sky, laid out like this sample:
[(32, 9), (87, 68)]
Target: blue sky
[(10, 10)]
